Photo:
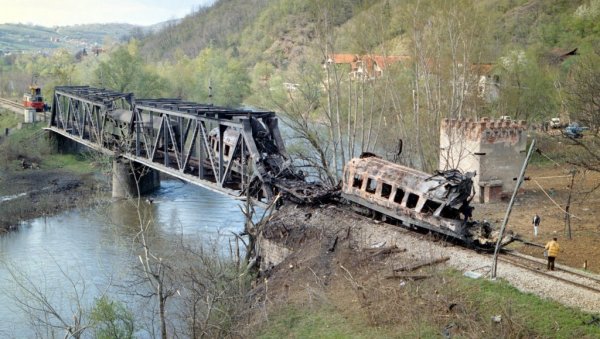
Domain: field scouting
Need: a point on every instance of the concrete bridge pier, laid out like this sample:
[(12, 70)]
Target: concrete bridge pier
[(128, 175)]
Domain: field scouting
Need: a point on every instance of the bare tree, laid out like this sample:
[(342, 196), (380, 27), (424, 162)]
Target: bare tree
[(583, 91), (445, 42), (47, 312), (157, 272)]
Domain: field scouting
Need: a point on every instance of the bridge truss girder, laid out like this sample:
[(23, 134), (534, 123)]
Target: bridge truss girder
[(227, 150), (80, 110)]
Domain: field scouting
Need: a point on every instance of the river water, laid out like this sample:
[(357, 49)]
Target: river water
[(94, 248)]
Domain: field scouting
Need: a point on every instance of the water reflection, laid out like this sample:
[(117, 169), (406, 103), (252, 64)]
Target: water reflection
[(96, 247)]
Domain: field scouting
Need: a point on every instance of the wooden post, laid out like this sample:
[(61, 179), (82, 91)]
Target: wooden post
[(509, 209), (567, 212)]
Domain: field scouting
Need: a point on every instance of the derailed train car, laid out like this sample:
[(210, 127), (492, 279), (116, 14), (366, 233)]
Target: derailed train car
[(438, 202), (271, 157)]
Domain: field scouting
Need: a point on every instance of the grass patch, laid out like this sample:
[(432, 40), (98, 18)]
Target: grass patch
[(421, 310), (32, 145), (556, 150), (8, 120), (71, 162), (317, 322), (525, 314)]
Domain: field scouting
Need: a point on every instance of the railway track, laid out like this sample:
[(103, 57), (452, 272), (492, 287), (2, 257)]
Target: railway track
[(588, 281), (11, 105)]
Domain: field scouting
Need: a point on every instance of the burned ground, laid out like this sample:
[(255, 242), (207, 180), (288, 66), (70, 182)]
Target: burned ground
[(344, 260)]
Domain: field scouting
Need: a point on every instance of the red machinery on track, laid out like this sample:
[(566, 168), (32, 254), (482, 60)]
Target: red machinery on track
[(34, 99)]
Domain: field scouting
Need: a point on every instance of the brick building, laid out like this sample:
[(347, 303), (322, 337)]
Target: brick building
[(495, 149)]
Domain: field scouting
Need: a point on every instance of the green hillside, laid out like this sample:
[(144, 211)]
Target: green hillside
[(259, 28), (19, 37)]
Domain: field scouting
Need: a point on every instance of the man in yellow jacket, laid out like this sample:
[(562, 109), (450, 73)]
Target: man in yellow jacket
[(553, 248)]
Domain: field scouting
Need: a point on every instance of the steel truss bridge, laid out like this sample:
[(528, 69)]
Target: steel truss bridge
[(232, 151)]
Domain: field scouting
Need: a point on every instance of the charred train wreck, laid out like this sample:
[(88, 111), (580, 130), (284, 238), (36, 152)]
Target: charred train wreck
[(411, 198)]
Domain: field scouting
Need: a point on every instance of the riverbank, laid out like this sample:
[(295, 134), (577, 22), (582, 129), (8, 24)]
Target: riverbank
[(36, 181), (33, 193)]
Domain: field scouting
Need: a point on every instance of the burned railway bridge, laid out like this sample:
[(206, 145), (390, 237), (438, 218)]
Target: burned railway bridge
[(231, 151)]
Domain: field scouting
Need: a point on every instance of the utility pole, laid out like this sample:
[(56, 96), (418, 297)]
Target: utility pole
[(509, 209), (567, 212)]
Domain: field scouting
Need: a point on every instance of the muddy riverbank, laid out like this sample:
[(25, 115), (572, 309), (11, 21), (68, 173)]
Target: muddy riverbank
[(32, 193)]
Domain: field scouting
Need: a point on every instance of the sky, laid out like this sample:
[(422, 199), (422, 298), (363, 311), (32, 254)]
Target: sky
[(72, 12)]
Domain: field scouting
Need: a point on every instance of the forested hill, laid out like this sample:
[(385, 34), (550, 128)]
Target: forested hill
[(274, 28), (216, 26), (26, 38)]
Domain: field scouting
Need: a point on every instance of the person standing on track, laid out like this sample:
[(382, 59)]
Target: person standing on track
[(536, 223), (553, 248)]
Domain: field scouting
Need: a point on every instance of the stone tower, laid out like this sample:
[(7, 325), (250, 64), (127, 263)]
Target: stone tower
[(495, 149)]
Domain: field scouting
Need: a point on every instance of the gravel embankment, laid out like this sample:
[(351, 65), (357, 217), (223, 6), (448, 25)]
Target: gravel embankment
[(466, 260), (365, 233)]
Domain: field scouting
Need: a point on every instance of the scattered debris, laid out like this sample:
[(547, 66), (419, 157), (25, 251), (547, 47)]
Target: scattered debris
[(472, 275), (418, 265), (594, 321), (332, 247), (413, 277), (373, 252), (378, 245)]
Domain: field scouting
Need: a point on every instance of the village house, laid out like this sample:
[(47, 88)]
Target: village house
[(365, 67), (371, 67)]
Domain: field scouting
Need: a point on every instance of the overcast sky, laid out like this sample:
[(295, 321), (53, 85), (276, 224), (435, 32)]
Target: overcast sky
[(71, 12)]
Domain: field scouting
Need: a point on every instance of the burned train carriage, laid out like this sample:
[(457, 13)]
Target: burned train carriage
[(438, 202), (119, 131)]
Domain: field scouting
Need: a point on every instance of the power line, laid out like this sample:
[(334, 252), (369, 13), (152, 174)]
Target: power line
[(555, 203)]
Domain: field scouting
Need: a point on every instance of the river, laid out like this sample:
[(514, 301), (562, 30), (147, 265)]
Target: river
[(94, 248)]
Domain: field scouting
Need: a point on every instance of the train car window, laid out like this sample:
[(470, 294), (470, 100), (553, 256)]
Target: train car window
[(399, 196), (227, 149), (450, 213), (412, 201), (386, 190), (430, 206), (357, 182), (371, 185)]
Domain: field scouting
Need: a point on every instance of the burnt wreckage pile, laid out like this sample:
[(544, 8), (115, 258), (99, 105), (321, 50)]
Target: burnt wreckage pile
[(403, 195), (241, 153)]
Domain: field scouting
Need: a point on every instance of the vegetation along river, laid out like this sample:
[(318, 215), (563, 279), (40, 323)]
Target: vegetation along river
[(80, 255)]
